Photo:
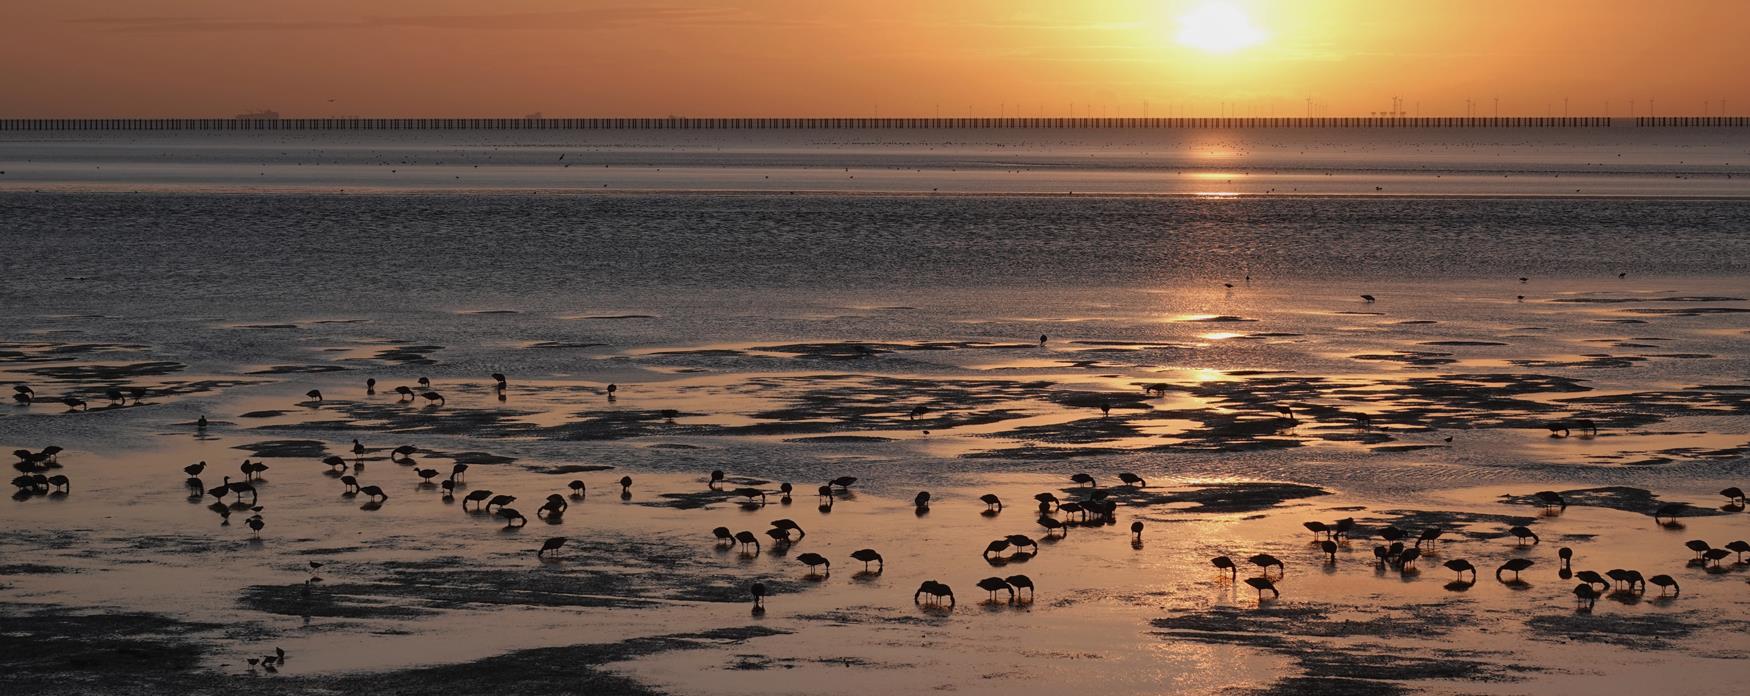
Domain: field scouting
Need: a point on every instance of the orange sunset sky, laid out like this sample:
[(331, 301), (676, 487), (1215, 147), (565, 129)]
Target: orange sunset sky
[(878, 57)]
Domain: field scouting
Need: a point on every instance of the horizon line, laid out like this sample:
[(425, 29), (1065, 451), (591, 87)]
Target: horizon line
[(273, 121)]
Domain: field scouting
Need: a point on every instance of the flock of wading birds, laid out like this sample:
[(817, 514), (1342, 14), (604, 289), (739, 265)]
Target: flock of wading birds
[(1090, 506)]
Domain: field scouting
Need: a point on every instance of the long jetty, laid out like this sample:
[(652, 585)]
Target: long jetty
[(1019, 123)]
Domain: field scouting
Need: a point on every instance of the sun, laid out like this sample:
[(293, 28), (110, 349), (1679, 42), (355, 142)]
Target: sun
[(1218, 27)]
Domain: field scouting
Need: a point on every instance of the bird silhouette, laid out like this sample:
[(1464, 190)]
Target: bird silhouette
[(813, 560), (1513, 565), (936, 592), (868, 556), (478, 498), (789, 525), (551, 544), (1227, 564), (996, 584), (1264, 561)]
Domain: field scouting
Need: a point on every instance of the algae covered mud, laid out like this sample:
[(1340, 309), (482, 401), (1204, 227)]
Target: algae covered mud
[(1218, 349)]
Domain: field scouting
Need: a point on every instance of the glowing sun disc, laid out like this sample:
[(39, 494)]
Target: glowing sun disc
[(1218, 27)]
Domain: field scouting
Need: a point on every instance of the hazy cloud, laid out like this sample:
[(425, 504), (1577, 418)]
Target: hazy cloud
[(570, 20)]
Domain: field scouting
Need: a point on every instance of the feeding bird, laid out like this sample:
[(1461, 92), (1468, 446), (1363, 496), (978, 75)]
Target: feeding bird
[(1513, 565), (936, 592), (868, 556), (1261, 584), (814, 559)]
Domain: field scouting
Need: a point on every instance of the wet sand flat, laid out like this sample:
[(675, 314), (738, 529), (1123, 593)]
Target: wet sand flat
[(1219, 351)]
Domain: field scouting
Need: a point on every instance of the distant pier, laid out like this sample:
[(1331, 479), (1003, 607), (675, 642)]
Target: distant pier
[(1017, 123)]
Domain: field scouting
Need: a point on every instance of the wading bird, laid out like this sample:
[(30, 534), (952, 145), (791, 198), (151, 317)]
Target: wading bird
[(552, 544), (1261, 584), (1587, 596), (750, 494), (1513, 565), (1461, 566), (478, 498), (554, 508), (758, 590), (1522, 534), (1552, 499), (812, 560), (1131, 479), (1264, 561), (936, 592), (788, 525), (995, 584), (868, 556), (1227, 564), (992, 504)]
